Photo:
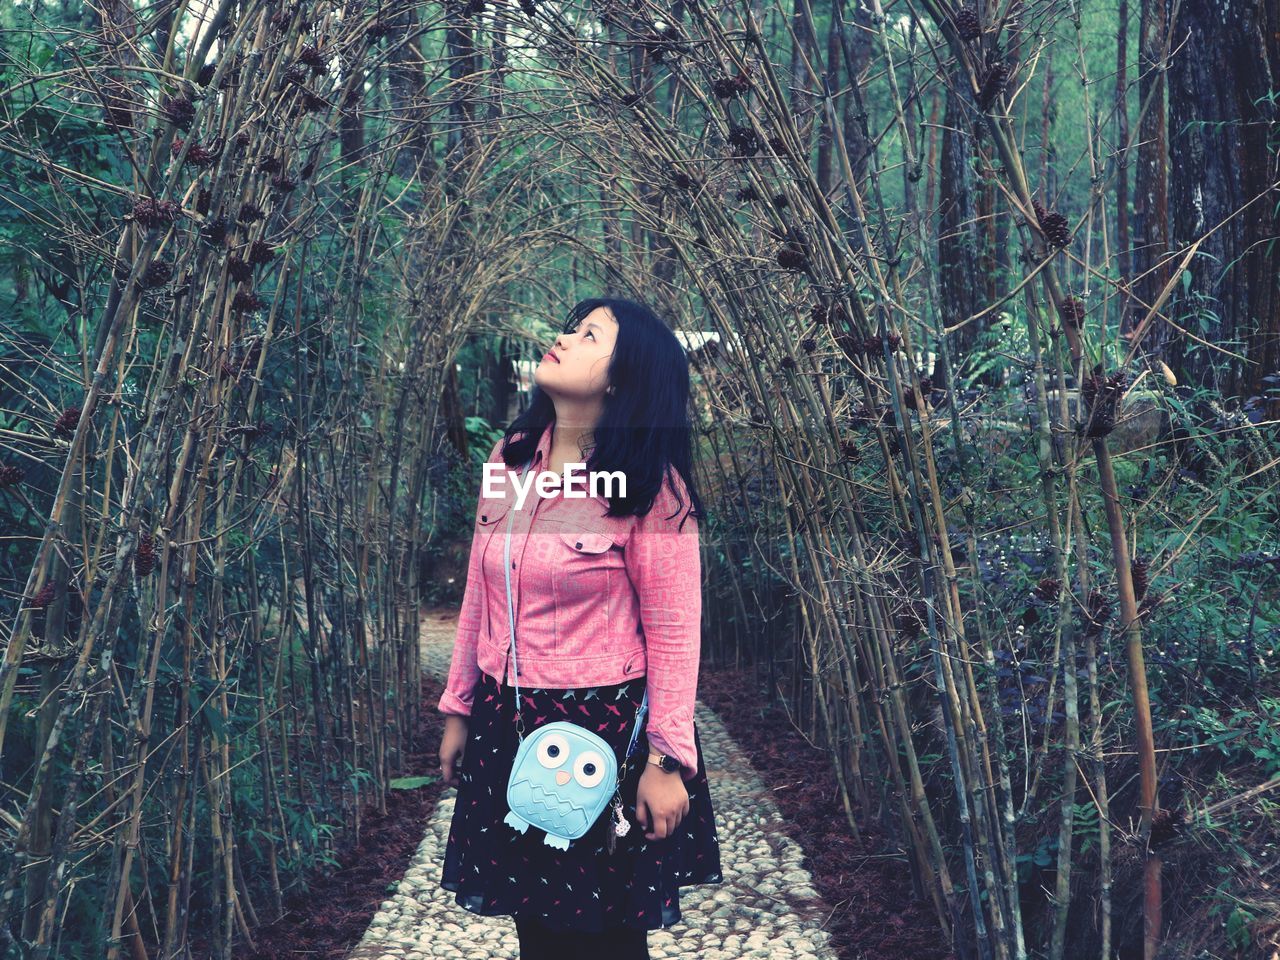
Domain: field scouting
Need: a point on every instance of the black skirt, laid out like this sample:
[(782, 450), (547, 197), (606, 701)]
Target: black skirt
[(494, 869)]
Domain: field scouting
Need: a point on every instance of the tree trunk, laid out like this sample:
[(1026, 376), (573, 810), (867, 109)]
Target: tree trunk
[(1151, 200), (1122, 137), (958, 239), (407, 83), (1219, 121)]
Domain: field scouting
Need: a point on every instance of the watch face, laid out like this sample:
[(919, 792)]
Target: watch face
[(670, 764)]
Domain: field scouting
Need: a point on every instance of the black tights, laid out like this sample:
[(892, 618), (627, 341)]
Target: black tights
[(617, 943)]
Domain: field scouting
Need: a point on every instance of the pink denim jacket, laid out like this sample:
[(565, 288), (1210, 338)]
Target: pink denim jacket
[(599, 600)]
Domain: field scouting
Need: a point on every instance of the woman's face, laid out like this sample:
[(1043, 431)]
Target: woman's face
[(577, 366)]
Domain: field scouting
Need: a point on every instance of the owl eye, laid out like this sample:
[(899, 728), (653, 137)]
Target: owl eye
[(553, 750), (588, 769)]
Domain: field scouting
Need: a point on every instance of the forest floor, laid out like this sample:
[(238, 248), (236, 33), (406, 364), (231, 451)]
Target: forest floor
[(875, 915)]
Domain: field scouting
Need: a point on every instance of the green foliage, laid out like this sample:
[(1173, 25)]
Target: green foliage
[(1084, 825), (1042, 857), (412, 783)]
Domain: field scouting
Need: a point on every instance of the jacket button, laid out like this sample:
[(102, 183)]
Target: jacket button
[(578, 544), (484, 516)]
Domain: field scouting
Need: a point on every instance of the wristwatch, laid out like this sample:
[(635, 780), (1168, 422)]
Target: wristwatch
[(667, 763)]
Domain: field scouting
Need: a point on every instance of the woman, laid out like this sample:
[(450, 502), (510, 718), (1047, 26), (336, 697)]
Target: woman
[(606, 590)]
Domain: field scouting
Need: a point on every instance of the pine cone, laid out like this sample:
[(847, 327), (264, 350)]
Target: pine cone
[(215, 232), (727, 88), (245, 302), (1139, 570), (117, 104), (155, 213), (240, 271), (1072, 312), (1097, 612), (144, 561), (179, 111), (1047, 589), (157, 274), (197, 155), (261, 252), (967, 25), (68, 420), (313, 58), (724, 88), (1102, 395), (744, 141), (282, 18), (792, 257), (43, 598), (993, 82), (1057, 230)]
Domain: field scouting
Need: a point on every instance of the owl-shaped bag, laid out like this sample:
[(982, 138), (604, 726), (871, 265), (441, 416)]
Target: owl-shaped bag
[(564, 775)]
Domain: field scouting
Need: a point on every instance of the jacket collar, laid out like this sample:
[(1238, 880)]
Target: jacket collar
[(542, 453)]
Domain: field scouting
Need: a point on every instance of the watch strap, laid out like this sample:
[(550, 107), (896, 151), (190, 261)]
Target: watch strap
[(671, 766)]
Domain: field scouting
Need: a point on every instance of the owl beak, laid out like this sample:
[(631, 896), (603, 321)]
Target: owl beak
[(562, 777)]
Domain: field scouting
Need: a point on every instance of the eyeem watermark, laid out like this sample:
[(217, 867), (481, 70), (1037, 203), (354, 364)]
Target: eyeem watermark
[(598, 483)]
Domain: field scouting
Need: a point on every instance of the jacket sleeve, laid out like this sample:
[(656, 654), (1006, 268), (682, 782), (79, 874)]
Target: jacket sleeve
[(665, 566), (464, 669)]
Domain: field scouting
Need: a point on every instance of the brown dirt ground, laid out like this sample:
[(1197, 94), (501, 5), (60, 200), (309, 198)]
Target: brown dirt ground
[(875, 915)]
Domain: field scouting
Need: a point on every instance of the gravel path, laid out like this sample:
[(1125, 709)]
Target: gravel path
[(766, 906)]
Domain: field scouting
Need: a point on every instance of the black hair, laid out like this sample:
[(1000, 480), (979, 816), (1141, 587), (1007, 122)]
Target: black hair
[(644, 429)]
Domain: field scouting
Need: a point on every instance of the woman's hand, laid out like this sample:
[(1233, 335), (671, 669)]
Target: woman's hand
[(453, 746), (662, 800)]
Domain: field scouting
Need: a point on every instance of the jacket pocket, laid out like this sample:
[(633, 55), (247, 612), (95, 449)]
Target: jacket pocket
[(492, 511), (585, 578), (586, 541)]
